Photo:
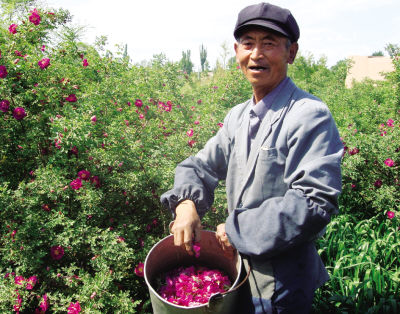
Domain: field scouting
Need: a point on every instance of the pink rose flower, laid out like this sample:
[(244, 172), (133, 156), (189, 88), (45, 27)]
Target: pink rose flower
[(196, 249), (220, 124), (44, 305), (96, 181), (168, 106), (57, 143), (56, 252), (19, 113), (138, 103), (71, 98), (390, 214), (192, 286), (4, 105), (389, 162), (189, 133), (85, 63), (74, 308), (31, 282), (141, 116), (354, 151), (378, 183), (191, 143), (46, 207), (3, 71), (84, 175), (390, 123), (139, 270), (34, 18), (13, 28), (76, 184), (44, 63), (19, 280), (17, 306)]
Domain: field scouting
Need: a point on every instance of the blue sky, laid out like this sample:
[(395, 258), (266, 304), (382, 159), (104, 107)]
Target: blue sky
[(335, 29)]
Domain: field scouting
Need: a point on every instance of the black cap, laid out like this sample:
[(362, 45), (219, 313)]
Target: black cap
[(269, 16)]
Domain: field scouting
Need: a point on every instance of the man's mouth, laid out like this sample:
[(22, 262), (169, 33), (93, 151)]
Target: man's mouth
[(258, 68)]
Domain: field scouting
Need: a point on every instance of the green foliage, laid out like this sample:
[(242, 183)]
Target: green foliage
[(203, 59), (81, 173), (186, 62)]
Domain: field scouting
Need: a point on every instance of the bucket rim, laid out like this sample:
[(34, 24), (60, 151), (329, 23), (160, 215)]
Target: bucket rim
[(234, 284)]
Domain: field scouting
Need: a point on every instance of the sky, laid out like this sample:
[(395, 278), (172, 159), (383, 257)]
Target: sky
[(333, 29)]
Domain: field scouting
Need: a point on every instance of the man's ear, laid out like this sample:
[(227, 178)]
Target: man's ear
[(293, 52), (236, 46)]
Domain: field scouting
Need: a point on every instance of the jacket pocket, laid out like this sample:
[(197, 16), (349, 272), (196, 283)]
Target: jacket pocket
[(269, 173)]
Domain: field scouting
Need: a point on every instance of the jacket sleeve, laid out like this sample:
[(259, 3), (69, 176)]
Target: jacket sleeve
[(197, 176), (313, 176)]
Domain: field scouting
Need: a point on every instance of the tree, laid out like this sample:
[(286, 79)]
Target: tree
[(186, 63), (377, 54), (203, 59), (225, 55)]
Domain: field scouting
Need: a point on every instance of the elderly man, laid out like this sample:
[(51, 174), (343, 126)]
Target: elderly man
[(280, 155)]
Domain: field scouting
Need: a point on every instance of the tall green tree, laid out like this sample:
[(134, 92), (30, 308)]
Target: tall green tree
[(186, 63), (203, 59)]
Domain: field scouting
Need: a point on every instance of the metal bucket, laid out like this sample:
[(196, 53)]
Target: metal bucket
[(165, 256)]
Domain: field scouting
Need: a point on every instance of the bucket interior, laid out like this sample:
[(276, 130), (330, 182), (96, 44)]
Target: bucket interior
[(165, 256)]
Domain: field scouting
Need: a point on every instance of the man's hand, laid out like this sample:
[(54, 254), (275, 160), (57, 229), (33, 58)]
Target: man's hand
[(187, 226), (223, 240)]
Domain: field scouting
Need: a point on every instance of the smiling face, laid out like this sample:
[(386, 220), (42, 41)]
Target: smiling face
[(263, 56)]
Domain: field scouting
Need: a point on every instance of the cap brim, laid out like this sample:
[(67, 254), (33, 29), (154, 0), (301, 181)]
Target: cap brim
[(259, 23)]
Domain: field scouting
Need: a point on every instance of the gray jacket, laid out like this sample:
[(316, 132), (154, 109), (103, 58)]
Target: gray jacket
[(280, 195)]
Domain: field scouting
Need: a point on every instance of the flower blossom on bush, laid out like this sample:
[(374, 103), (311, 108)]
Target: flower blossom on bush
[(4, 105), (44, 63), (57, 252), (71, 98), (193, 286), (76, 184), (74, 308), (84, 175), (44, 305), (31, 282), (220, 124), (138, 103), (19, 113), (85, 63), (34, 18), (19, 280), (139, 270), (3, 71), (389, 162), (390, 123), (390, 214), (19, 303), (96, 181), (354, 151), (190, 133), (13, 28), (378, 183), (46, 207), (93, 119)]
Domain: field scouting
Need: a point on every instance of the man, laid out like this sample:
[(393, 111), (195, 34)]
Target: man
[(280, 155)]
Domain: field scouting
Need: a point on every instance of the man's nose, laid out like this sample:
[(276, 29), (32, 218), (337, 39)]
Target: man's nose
[(257, 52)]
